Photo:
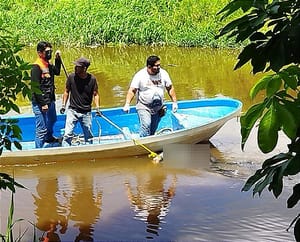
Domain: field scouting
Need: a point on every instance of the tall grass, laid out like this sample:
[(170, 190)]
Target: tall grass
[(8, 182), (90, 22)]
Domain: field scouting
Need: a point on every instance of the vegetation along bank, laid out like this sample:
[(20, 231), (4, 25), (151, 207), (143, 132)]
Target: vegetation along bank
[(82, 23)]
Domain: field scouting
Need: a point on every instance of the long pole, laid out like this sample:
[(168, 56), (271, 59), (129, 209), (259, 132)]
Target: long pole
[(152, 153), (63, 66)]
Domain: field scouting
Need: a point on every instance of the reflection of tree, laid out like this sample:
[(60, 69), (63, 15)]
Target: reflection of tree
[(150, 198), (49, 212), (85, 207)]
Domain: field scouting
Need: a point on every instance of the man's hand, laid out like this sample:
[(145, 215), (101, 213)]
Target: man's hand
[(63, 109), (174, 107), (126, 108), (57, 54), (98, 112), (45, 108)]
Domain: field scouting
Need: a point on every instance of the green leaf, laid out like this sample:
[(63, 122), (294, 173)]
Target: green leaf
[(276, 159), (245, 56), (277, 58), (18, 145), (260, 186), (232, 26), (235, 5), (290, 80), (259, 61), (293, 166), (295, 197), (273, 85), (293, 70), (260, 85), (288, 121), (294, 146), (293, 107), (249, 119), (253, 179), (277, 183), (268, 131)]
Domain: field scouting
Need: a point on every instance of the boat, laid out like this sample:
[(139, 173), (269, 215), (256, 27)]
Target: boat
[(116, 132)]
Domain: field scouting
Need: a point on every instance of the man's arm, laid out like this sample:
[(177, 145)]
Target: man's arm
[(96, 99), (130, 94), (57, 65), (64, 101), (172, 94)]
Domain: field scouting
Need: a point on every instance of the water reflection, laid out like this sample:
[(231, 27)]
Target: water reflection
[(150, 197), (50, 213), (85, 206), (134, 200), (61, 199)]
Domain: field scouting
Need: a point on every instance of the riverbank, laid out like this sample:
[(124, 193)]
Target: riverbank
[(86, 23)]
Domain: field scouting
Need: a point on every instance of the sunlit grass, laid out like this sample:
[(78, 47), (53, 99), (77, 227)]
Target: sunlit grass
[(70, 22)]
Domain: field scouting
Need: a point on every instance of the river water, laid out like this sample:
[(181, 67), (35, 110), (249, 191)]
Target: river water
[(196, 198)]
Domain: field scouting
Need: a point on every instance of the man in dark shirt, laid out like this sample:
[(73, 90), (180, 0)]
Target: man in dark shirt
[(81, 87), (43, 103)]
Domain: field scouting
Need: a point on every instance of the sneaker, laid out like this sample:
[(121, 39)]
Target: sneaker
[(53, 140)]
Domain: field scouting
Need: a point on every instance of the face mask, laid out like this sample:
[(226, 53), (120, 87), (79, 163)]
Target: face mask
[(48, 54)]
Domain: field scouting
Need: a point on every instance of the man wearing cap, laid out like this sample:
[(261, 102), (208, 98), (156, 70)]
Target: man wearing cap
[(82, 88), (149, 85), (43, 102)]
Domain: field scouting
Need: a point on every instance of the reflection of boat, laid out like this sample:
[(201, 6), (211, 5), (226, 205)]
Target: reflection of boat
[(195, 121)]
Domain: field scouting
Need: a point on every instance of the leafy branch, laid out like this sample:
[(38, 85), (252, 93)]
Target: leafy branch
[(270, 32)]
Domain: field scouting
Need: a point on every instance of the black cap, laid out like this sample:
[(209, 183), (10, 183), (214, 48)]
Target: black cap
[(83, 62)]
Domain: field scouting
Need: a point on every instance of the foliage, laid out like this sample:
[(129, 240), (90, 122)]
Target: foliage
[(6, 181), (70, 22), (14, 80), (273, 30), (13, 73)]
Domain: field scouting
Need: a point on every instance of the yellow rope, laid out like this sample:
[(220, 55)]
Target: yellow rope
[(152, 153)]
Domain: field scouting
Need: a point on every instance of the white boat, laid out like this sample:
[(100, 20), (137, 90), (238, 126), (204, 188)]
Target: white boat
[(116, 132)]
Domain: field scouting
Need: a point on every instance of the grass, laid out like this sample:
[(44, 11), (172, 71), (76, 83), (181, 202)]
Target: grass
[(142, 22)]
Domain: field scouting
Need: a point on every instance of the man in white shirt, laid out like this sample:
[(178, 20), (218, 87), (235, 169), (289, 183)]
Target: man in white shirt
[(149, 85)]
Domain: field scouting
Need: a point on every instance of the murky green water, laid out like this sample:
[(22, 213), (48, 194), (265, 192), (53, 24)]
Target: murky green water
[(195, 72), (134, 200)]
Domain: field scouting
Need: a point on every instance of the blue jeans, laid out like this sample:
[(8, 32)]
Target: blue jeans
[(85, 120), (44, 123), (148, 122)]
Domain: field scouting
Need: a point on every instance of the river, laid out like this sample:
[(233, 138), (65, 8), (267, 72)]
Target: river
[(198, 198)]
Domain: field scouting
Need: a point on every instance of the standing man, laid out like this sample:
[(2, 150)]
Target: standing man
[(82, 87), (149, 85), (43, 102)]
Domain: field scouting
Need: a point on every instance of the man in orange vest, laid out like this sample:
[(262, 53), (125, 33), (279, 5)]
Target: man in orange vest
[(43, 103)]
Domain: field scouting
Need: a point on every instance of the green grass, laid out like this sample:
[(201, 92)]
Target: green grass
[(117, 22)]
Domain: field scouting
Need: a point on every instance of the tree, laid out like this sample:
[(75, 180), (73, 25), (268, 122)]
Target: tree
[(270, 32), (14, 80)]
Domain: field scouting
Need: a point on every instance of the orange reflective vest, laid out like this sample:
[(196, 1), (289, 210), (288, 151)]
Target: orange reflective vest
[(44, 66)]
